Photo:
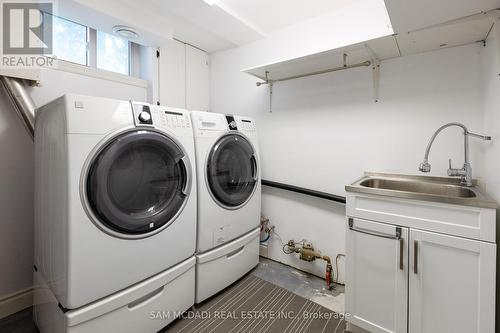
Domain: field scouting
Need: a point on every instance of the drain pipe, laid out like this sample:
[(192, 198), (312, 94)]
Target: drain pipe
[(21, 100)]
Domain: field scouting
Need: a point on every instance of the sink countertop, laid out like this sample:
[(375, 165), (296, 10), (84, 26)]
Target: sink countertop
[(479, 200)]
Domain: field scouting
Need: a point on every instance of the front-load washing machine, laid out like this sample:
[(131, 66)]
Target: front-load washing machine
[(115, 195), (229, 199)]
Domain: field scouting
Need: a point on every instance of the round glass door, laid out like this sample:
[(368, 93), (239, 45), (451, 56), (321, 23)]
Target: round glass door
[(138, 183), (232, 171)]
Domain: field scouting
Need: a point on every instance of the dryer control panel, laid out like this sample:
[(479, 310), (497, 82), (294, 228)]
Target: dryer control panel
[(245, 124), (206, 121), (212, 124)]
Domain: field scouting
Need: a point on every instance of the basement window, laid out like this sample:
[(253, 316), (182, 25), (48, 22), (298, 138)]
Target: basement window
[(113, 53), (69, 40), (78, 44)]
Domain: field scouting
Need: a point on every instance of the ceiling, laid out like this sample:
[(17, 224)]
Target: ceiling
[(226, 24), (270, 15), (230, 23), (411, 15)]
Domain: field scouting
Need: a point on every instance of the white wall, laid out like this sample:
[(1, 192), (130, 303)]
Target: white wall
[(56, 83), (324, 131), (16, 170), (490, 88)]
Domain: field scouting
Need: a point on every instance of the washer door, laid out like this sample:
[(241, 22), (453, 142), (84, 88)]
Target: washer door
[(232, 171), (138, 183)]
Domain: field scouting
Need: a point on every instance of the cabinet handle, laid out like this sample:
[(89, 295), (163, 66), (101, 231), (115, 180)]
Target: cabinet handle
[(401, 249), (397, 236), (415, 257)]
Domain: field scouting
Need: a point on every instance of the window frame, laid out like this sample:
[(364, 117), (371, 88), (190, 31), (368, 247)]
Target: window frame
[(134, 54), (98, 73)]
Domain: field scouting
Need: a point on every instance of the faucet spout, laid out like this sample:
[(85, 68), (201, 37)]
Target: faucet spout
[(431, 141), (466, 171)]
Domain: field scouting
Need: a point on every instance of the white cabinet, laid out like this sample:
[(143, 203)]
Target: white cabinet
[(443, 283), (377, 276), (197, 79), (183, 76), (451, 284), (172, 74)]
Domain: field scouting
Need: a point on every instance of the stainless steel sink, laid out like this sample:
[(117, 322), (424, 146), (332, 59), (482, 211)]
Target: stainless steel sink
[(419, 187), (437, 189)]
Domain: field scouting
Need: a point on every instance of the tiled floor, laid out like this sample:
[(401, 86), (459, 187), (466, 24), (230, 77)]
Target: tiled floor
[(20, 322), (298, 282)]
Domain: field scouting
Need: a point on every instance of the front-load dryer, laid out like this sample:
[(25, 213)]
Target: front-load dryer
[(229, 199), (115, 195)]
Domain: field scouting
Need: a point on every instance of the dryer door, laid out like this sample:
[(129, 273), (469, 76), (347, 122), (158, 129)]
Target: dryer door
[(137, 184), (232, 171)]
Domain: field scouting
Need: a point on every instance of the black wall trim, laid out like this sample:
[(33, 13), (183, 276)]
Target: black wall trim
[(313, 193)]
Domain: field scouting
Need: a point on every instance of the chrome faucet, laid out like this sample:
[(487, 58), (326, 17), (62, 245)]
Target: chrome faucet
[(465, 173)]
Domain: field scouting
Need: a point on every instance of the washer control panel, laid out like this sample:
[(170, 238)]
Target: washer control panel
[(142, 114), (174, 119), (160, 116), (144, 117), (233, 126)]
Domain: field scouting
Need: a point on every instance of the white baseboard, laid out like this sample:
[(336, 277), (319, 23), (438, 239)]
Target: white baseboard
[(16, 302), (263, 251)]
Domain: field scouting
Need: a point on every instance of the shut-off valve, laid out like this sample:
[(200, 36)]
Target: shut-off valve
[(307, 252)]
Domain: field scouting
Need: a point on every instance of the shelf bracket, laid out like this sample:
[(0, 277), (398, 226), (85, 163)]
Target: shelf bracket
[(270, 83), (271, 97), (375, 63)]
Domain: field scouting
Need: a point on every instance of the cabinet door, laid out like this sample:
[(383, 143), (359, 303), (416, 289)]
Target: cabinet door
[(172, 74), (377, 276), (452, 284), (197, 79)]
